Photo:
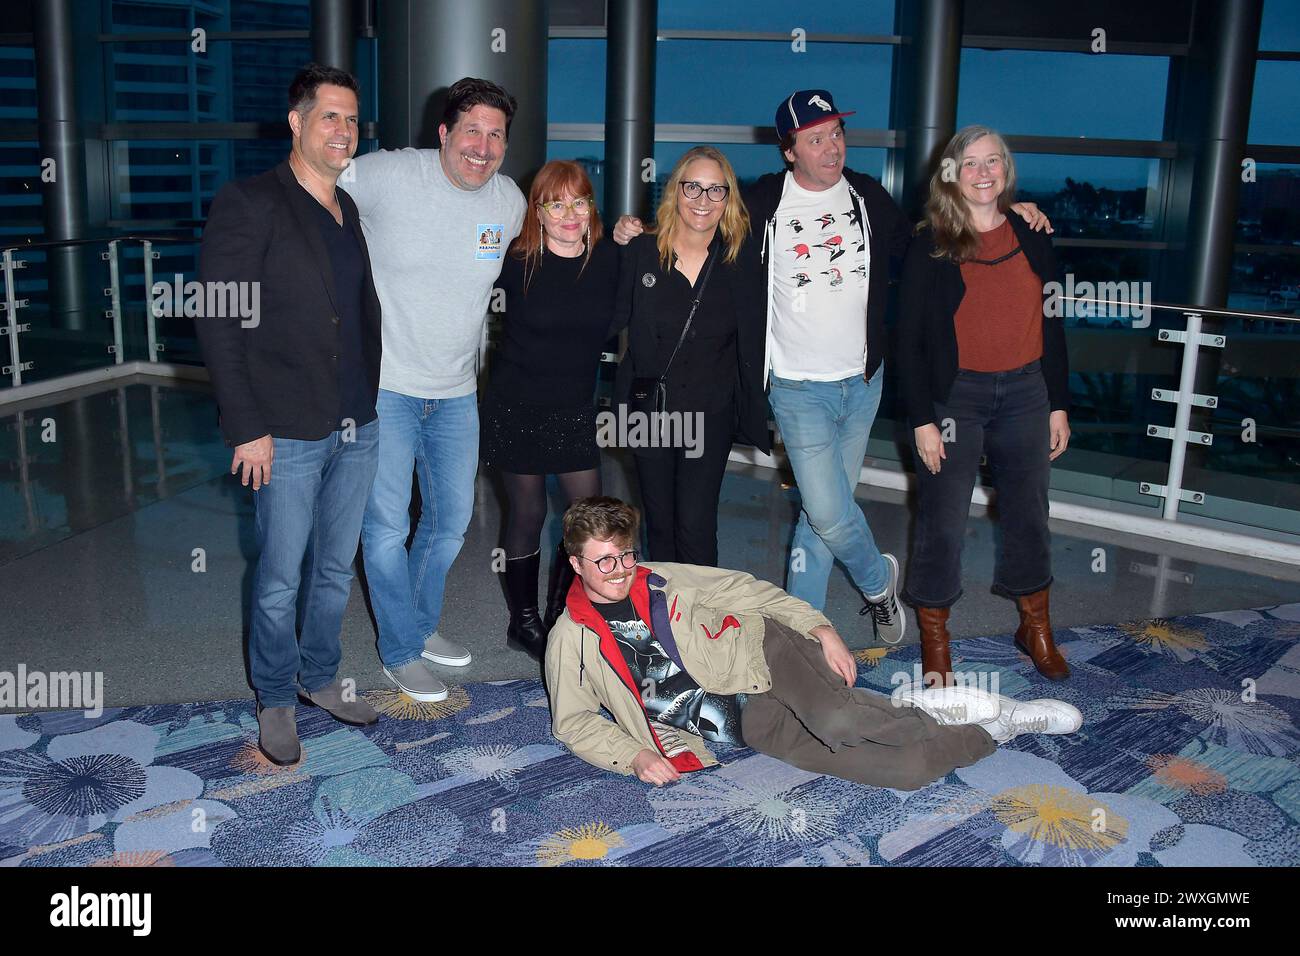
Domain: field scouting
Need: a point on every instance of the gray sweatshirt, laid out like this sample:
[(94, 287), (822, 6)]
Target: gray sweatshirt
[(435, 250)]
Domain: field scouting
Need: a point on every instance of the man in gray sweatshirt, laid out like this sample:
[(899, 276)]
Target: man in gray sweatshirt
[(438, 223)]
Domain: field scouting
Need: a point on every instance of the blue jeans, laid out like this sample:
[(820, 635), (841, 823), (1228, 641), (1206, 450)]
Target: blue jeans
[(439, 437), (825, 427), (311, 509)]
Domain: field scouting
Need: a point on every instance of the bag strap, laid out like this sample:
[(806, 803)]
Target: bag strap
[(695, 304)]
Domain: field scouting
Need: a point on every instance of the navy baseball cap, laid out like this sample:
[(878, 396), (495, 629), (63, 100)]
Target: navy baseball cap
[(803, 109)]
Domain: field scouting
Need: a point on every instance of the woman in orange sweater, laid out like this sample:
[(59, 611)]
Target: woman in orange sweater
[(984, 372)]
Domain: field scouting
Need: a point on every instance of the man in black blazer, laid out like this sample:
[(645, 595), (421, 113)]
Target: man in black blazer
[(296, 383)]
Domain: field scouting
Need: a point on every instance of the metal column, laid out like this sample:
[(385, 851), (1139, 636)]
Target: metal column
[(630, 31), (426, 45), (333, 42), (927, 81), (63, 199)]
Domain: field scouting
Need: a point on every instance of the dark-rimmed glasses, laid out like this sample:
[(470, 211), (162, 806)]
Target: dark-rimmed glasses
[(692, 190), (609, 562)]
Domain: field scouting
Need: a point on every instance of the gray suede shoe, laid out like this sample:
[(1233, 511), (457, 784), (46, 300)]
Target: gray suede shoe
[(355, 712), (278, 739)]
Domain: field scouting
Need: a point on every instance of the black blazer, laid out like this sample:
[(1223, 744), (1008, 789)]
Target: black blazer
[(640, 258), (281, 376), (932, 289)]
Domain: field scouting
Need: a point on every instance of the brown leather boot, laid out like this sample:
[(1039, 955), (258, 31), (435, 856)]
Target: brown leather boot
[(1034, 636), (936, 664)]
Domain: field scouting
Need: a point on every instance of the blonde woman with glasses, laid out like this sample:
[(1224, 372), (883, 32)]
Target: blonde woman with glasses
[(539, 413), (680, 301)]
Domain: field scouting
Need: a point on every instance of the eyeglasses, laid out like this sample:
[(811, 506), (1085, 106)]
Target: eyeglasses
[(582, 206), (610, 561), (692, 190)]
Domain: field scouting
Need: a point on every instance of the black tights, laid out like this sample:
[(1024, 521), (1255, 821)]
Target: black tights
[(527, 515)]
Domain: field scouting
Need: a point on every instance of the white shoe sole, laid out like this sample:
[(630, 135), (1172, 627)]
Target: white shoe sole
[(422, 696), (897, 578), (448, 661), (955, 705)]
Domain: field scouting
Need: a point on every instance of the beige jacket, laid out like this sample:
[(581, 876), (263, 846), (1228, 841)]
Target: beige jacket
[(709, 621)]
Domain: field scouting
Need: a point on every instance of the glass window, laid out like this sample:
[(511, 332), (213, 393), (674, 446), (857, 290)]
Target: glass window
[(1280, 29), (1273, 117), (747, 80), (1268, 209), (864, 16), (1060, 94), (575, 81), (1099, 197), (1266, 282)]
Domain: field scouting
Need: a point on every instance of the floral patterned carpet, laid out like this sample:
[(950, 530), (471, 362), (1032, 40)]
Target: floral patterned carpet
[(1189, 755)]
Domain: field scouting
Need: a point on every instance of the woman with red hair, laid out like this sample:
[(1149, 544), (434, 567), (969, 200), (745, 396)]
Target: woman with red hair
[(539, 412)]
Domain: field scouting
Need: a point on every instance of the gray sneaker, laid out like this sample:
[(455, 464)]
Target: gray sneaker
[(442, 651), (888, 620), (415, 681)]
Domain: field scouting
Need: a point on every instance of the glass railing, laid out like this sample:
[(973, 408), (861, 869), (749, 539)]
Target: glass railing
[(1231, 451), (81, 305)]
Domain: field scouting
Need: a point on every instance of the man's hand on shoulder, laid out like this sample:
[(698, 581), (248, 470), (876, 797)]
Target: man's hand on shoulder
[(627, 228), (838, 656), (650, 767), (1031, 214)]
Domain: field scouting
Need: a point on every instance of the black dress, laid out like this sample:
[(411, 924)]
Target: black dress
[(539, 411)]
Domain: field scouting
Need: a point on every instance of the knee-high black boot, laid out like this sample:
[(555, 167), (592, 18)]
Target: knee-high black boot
[(557, 588), (525, 632)]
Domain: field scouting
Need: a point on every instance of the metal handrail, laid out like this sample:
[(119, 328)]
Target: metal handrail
[(1186, 309), (103, 240)]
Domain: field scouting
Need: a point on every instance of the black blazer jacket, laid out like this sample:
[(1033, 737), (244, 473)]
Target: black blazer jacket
[(280, 376), (932, 289)]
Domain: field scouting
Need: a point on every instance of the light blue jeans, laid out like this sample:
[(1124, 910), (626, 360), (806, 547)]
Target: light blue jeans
[(439, 438), (825, 427), (311, 509)]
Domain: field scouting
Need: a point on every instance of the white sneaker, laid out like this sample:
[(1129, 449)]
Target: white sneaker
[(1041, 716), (442, 651), (951, 705)]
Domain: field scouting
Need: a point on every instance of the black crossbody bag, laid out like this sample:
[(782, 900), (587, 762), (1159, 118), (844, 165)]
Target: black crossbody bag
[(650, 394)]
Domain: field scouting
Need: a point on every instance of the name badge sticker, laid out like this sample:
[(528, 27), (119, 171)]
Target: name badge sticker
[(487, 240)]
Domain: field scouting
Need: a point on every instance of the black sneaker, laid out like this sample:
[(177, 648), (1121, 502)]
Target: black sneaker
[(888, 621)]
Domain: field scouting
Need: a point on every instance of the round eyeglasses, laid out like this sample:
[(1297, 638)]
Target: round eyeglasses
[(692, 190), (610, 561), (582, 206)]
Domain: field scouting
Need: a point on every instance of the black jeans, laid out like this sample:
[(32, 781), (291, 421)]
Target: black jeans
[(1004, 415), (680, 494)]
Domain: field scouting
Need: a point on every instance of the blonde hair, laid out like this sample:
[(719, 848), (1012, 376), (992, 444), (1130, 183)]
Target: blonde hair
[(946, 212), (734, 224)]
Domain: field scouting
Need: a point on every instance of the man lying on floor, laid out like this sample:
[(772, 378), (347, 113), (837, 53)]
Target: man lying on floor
[(681, 654)]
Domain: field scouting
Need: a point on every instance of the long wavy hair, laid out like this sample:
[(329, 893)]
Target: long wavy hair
[(734, 224), (945, 211), (552, 181)]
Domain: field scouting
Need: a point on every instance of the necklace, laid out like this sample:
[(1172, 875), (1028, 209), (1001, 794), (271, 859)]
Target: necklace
[(326, 206)]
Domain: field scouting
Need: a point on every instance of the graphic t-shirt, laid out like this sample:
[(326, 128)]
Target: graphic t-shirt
[(671, 696), (819, 286)]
